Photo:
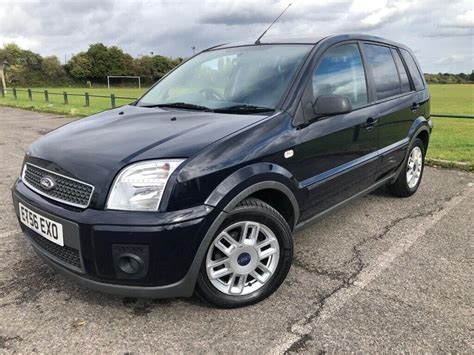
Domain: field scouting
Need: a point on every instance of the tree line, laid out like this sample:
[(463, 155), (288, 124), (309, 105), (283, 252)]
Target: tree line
[(26, 68), (448, 78)]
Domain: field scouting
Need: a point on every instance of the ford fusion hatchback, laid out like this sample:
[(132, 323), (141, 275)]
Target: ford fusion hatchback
[(199, 184)]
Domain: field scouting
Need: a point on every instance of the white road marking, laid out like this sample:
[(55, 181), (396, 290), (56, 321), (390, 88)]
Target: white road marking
[(339, 299)]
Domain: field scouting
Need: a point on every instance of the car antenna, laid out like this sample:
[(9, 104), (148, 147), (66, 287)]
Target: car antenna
[(263, 34)]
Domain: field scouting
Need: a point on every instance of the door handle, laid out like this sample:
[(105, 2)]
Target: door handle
[(414, 107), (370, 123)]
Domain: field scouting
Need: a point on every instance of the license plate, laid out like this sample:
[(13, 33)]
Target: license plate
[(45, 227)]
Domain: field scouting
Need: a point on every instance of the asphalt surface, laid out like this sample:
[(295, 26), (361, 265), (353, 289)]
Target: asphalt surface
[(382, 274)]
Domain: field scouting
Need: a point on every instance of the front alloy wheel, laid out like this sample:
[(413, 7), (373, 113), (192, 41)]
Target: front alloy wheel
[(248, 258), (242, 258)]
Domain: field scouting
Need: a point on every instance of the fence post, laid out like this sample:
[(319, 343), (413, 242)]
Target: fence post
[(112, 100), (46, 96), (65, 97), (3, 92), (30, 96), (86, 95), (14, 94)]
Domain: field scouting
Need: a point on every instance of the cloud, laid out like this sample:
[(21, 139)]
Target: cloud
[(451, 59), (173, 27)]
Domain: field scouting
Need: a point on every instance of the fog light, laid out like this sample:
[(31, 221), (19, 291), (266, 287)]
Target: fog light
[(130, 260), (130, 263)]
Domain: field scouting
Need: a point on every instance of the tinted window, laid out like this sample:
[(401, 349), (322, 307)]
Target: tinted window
[(341, 72), (405, 83), (414, 72), (385, 72)]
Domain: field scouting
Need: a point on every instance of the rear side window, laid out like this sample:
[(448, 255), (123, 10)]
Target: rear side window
[(404, 82), (341, 72), (413, 68), (385, 72)]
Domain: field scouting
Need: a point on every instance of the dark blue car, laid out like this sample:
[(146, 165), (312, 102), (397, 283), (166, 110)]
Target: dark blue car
[(199, 184)]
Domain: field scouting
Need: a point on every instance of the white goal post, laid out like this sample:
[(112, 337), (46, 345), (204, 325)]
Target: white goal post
[(123, 77)]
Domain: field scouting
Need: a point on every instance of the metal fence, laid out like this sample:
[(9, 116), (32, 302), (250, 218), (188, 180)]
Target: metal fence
[(113, 99), (65, 96)]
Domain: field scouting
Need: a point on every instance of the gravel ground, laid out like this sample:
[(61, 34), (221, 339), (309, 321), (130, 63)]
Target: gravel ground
[(382, 274)]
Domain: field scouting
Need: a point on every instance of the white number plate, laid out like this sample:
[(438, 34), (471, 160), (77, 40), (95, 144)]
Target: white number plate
[(45, 227)]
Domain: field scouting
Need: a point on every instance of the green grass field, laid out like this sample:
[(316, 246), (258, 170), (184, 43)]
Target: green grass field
[(76, 106), (452, 139)]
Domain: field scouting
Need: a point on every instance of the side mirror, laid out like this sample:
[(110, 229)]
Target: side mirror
[(330, 105)]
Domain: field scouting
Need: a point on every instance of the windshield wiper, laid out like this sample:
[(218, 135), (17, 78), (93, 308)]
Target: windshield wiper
[(184, 105), (244, 109)]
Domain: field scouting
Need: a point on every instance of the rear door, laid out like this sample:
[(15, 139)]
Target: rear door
[(337, 154), (396, 102)]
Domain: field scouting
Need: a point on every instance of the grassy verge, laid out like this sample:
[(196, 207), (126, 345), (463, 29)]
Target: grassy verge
[(452, 98), (76, 104), (452, 139)]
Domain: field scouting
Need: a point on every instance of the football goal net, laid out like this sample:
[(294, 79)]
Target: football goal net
[(121, 79)]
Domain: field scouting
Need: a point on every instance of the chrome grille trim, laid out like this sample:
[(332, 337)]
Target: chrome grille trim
[(52, 173)]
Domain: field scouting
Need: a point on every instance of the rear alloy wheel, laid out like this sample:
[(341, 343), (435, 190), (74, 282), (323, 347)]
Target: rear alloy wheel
[(414, 166), (248, 258), (410, 177)]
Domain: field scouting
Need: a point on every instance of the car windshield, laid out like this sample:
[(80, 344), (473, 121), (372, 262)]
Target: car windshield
[(238, 79)]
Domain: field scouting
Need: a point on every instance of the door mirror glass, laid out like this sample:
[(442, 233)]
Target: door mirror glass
[(330, 105)]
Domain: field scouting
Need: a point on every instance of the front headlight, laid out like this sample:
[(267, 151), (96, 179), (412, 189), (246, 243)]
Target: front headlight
[(139, 186)]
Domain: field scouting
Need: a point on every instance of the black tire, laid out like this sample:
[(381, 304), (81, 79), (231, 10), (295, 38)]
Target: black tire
[(400, 187), (255, 210)]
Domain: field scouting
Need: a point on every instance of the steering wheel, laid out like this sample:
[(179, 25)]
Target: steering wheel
[(211, 94)]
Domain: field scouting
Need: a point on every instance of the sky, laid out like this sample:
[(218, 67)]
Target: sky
[(440, 32)]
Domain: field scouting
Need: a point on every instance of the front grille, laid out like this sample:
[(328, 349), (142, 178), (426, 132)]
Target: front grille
[(64, 254), (66, 190)]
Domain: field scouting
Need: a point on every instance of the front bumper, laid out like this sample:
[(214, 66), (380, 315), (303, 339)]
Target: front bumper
[(172, 241)]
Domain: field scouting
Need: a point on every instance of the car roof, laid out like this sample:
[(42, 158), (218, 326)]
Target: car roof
[(308, 39)]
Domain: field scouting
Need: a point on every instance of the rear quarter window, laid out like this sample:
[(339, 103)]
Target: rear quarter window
[(414, 71), (386, 79), (404, 82)]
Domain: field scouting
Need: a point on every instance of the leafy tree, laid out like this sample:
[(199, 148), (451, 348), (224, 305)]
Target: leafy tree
[(53, 71), (27, 68), (11, 53), (79, 67), (152, 68)]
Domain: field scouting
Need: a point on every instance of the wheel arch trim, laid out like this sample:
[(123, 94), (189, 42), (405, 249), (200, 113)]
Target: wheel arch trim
[(250, 179), (418, 125)]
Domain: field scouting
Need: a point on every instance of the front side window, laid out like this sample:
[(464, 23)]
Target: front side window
[(387, 82), (341, 72), (256, 76)]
